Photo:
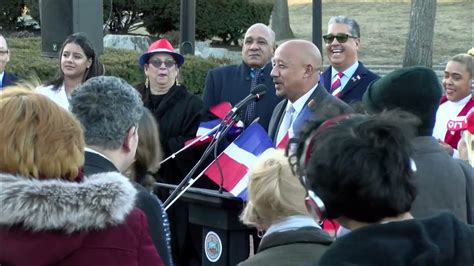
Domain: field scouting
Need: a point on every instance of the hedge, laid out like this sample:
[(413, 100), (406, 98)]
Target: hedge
[(26, 62)]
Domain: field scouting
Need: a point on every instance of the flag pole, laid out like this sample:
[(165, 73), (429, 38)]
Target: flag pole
[(182, 185)]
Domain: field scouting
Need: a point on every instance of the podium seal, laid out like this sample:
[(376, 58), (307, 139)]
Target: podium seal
[(212, 246)]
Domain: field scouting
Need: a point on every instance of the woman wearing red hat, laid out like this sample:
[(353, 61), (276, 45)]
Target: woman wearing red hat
[(176, 110), (457, 101), (178, 114)]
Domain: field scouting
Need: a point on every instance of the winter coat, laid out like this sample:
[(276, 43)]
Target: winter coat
[(59, 222), (441, 240)]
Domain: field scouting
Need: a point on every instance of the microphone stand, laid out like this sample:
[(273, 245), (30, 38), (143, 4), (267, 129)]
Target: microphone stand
[(184, 184)]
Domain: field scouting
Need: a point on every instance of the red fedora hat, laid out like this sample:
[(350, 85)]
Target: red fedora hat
[(160, 46)]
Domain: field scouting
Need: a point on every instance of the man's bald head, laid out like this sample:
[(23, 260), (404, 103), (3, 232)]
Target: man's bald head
[(296, 67)]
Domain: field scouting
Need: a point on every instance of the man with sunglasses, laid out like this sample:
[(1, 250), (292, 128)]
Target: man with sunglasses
[(6, 78), (233, 83), (346, 78)]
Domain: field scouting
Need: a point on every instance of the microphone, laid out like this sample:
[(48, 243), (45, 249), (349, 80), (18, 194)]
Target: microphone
[(256, 93)]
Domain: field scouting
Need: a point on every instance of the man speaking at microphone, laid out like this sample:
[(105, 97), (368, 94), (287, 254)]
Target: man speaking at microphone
[(233, 83), (296, 68)]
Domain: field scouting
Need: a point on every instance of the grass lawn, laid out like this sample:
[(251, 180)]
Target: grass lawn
[(384, 27)]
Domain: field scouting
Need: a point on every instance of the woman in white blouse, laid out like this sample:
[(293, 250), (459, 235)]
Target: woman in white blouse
[(78, 62)]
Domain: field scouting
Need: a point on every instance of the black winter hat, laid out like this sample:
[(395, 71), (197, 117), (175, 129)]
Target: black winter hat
[(413, 89)]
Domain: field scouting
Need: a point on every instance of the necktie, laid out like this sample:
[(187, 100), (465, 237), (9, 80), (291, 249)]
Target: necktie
[(336, 87), (285, 124), (250, 112)]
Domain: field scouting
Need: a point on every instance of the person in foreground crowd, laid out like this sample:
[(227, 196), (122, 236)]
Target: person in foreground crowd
[(276, 206), (50, 213), (78, 62), (443, 183), (109, 110), (360, 172), (142, 171), (6, 78), (346, 78), (457, 101), (296, 67), (466, 143), (233, 83)]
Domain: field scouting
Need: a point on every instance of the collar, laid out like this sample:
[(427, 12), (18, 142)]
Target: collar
[(349, 72), (300, 103), (100, 154), (461, 102), (98, 201), (293, 222)]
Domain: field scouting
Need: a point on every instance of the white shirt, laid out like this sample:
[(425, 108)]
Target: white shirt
[(298, 105), (348, 73), (58, 96)]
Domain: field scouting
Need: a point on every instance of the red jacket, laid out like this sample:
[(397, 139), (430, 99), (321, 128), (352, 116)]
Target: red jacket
[(452, 137), (55, 222)]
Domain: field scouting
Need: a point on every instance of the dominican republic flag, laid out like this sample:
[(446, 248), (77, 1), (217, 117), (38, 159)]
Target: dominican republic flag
[(238, 158), (206, 130)]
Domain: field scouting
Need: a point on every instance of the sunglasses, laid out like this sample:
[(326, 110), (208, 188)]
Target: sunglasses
[(157, 63), (340, 37)]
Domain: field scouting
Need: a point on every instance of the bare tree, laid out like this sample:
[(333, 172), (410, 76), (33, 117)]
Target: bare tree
[(419, 44), (281, 20)]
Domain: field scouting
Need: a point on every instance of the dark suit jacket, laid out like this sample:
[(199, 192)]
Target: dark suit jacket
[(355, 87), (146, 202), (8, 79), (232, 83), (324, 106)]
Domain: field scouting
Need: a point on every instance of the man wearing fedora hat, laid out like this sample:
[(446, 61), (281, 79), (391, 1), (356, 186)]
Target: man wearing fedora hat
[(233, 83), (443, 183)]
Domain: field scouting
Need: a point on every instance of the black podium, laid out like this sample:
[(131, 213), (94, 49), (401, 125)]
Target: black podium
[(225, 240)]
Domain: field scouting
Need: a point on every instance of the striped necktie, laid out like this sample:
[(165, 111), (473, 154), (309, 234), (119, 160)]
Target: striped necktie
[(336, 87), (251, 112)]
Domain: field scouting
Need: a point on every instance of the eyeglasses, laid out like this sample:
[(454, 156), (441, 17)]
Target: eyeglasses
[(340, 37), (157, 63)]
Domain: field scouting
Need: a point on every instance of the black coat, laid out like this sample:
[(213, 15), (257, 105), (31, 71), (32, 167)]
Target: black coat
[(436, 241), (232, 84), (8, 79), (146, 202), (178, 116), (355, 87)]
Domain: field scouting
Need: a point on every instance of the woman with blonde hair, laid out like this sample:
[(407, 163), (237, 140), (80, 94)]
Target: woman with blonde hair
[(276, 206), (51, 213)]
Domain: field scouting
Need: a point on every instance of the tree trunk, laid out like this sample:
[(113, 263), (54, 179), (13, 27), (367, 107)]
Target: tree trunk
[(281, 20), (419, 44)]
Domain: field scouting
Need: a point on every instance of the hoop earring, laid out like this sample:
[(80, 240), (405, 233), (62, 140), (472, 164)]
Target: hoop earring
[(260, 233)]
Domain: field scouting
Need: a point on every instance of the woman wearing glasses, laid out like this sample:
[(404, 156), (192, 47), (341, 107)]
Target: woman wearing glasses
[(276, 206), (178, 114), (174, 108)]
